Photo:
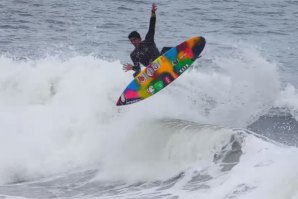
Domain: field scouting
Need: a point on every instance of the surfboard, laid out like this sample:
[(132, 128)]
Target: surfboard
[(162, 71)]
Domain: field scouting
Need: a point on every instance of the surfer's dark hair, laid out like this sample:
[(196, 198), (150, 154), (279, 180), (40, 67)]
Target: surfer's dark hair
[(134, 34)]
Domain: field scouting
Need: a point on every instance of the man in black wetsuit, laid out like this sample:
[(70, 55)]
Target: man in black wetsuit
[(145, 51)]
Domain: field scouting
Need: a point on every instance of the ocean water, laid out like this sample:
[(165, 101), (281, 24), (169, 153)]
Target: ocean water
[(226, 129)]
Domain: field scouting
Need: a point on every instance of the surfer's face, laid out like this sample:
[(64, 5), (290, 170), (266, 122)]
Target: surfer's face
[(135, 41)]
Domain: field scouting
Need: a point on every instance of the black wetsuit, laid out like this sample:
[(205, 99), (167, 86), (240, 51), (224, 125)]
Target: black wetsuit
[(147, 51)]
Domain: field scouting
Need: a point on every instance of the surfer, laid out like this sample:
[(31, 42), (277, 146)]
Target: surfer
[(145, 51)]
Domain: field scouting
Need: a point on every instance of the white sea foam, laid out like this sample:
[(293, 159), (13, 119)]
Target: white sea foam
[(57, 116), (288, 98)]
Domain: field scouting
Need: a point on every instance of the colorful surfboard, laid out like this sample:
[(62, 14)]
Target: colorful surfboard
[(162, 71)]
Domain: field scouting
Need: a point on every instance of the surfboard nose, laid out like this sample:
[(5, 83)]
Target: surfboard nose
[(198, 48)]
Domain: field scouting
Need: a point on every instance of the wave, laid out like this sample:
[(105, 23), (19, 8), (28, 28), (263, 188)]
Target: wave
[(58, 117), (180, 159)]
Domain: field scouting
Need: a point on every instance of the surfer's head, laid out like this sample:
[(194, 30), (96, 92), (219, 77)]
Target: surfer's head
[(135, 38)]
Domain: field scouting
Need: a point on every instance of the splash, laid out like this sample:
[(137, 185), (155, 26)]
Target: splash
[(58, 115)]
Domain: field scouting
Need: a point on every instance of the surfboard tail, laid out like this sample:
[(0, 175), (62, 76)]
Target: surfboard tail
[(119, 102), (122, 100), (126, 100)]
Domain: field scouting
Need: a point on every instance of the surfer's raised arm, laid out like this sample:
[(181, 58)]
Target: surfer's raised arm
[(145, 51), (151, 31)]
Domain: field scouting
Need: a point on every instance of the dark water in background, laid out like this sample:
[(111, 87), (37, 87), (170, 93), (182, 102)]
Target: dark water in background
[(37, 28)]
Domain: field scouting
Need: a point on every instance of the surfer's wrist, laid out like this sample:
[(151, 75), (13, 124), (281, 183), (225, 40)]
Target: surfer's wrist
[(135, 68)]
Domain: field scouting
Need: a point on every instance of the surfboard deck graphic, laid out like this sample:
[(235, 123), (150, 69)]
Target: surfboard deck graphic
[(162, 71)]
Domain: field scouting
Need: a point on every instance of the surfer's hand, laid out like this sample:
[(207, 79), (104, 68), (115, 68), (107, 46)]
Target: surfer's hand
[(154, 8), (127, 67)]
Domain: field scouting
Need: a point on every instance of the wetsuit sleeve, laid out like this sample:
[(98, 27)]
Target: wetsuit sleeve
[(151, 31), (136, 63)]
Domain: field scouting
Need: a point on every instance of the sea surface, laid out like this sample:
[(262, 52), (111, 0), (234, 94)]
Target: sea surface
[(226, 129)]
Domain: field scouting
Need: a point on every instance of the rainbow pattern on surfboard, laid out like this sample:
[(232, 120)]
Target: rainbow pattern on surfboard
[(162, 71)]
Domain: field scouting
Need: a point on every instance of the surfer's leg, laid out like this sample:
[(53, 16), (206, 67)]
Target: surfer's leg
[(165, 49)]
